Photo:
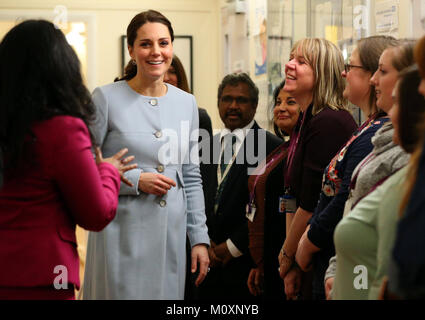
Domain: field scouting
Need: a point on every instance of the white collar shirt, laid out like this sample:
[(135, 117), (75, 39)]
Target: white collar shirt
[(240, 134)]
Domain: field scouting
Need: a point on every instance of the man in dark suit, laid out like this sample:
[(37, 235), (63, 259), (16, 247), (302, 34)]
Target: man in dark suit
[(237, 151)]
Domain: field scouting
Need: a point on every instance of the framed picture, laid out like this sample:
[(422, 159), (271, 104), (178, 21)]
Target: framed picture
[(125, 56), (183, 48)]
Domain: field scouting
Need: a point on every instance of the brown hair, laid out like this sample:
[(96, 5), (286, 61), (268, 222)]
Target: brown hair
[(419, 55), (138, 21), (182, 82), (369, 50), (411, 106), (403, 54)]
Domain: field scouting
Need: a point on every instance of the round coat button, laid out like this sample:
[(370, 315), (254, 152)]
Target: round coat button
[(160, 168), (162, 203), (158, 134), (153, 102)]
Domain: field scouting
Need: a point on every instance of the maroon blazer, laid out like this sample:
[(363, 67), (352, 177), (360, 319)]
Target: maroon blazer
[(59, 186)]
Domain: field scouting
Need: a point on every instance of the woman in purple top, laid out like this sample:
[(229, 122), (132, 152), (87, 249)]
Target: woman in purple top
[(49, 181), (313, 78)]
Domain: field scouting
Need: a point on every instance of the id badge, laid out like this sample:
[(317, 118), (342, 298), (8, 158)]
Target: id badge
[(250, 212), (290, 203)]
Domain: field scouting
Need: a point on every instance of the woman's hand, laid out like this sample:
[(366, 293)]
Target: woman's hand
[(285, 263), (255, 281), (293, 283), (384, 289), (200, 256), (305, 251), (155, 183), (120, 164), (328, 287)]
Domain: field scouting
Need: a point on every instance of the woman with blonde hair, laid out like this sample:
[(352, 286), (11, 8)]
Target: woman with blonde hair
[(313, 78), (316, 245)]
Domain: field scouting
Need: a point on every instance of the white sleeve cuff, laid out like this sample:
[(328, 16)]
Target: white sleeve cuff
[(234, 251)]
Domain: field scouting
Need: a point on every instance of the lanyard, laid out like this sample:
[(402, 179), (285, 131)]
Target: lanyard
[(220, 177), (292, 148), (363, 128), (278, 154), (365, 161)]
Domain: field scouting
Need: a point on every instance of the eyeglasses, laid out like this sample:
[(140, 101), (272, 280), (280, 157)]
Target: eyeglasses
[(347, 67), (228, 100)]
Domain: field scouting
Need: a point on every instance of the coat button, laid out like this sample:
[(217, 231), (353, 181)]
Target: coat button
[(160, 168), (153, 102), (162, 203), (158, 134)]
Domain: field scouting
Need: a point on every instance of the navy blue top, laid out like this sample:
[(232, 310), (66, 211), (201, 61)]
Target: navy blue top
[(334, 194), (408, 252), (332, 200)]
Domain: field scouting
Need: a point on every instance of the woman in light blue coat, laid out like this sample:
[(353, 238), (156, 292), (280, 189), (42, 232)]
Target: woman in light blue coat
[(141, 254)]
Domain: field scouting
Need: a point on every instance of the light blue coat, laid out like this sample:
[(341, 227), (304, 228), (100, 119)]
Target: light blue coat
[(141, 254)]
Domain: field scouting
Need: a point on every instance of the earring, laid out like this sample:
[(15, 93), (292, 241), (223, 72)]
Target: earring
[(133, 62)]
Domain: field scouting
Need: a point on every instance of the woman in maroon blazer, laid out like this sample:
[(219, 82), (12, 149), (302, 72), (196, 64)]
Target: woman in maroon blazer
[(49, 181)]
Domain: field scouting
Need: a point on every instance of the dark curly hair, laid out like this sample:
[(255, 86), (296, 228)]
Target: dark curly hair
[(40, 78), (276, 92)]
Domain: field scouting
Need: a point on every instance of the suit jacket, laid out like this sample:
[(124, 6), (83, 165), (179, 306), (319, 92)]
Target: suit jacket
[(230, 221), (40, 203), (205, 143)]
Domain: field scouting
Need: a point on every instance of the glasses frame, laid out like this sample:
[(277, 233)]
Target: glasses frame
[(347, 67)]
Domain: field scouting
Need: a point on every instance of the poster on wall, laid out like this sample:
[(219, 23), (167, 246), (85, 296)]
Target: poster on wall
[(386, 17), (260, 37)]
